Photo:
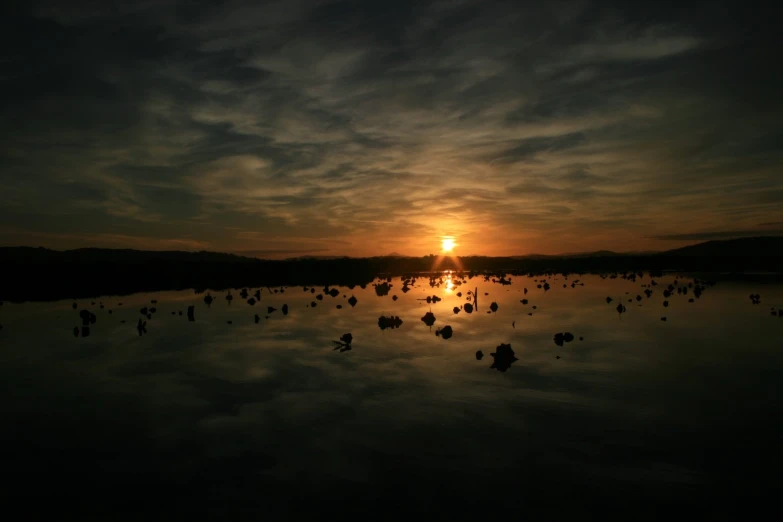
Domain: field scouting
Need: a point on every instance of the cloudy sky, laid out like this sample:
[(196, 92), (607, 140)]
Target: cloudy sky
[(363, 128)]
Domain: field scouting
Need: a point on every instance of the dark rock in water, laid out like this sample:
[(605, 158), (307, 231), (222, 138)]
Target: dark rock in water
[(229, 298), (667, 293), (405, 289), (559, 339), (666, 303), (285, 309), (504, 358), (663, 318), (270, 309), (382, 289), (468, 308), (346, 338), (75, 331), (389, 322), (479, 355), (243, 294), (486, 293), (581, 338), (530, 313), (229, 322), (648, 292), (312, 290), (620, 309), (154, 301), (459, 294), (257, 295), (352, 301), (320, 297), (546, 286), (75, 306), (535, 307), (608, 300), (691, 300), (568, 337), (149, 316), (428, 319), (141, 326), (173, 313), (394, 298), (208, 299), (191, 313), (251, 301), (456, 309), (86, 331), (110, 312), (446, 332), (333, 292), (153, 310), (313, 304), (524, 301), (144, 311), (638, 297), (256, 318), (101, 306), (525, 291), (339, 307), (557, 357), (493, 306)]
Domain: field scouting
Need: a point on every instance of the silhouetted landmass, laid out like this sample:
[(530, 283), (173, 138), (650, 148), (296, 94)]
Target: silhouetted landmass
[(39, 274)]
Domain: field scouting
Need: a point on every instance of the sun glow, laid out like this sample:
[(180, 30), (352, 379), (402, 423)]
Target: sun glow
[(448, 244)]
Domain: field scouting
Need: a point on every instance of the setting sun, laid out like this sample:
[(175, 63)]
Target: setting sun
[(448, 244)]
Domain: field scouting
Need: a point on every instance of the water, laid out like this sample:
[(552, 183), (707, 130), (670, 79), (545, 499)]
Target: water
[(222, 421)]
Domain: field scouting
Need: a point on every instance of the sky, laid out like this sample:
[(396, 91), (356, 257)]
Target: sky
[(363, 128)]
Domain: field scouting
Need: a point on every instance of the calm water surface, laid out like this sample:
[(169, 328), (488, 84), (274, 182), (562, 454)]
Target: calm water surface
[(245, 420)]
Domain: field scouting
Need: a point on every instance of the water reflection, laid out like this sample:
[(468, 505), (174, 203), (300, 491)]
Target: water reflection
[(209, 404)]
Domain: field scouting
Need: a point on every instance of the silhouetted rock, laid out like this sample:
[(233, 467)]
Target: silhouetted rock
[(320, 297), (256, 318), (459, 294), (382, 289), (535, 307), (229, 322), (285, 309), (153, 310), (559, 339), (251, 301), (663, 318), (141, 326), (313, 304), (243, 294), (257, 295), (648, 293), (504, 358), (154, 301), (755, 299), (524, 301), (638, 298), (666, 304), (144, 311), (479, 355), (468, 308), (581, 338), (346, 338), (456, 309), (229, 298), (333, 292), (270, 309), (620, 308), (428, 319), (608, 300), (208, 299), (75, 306), (339, 307), (312, 290), (389, 322), (86, 331), (493, 306), (691, 300), (352, 301), (446, 332), (525, 291)]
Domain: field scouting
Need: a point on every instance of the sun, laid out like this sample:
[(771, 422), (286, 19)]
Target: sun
[(447, 244)]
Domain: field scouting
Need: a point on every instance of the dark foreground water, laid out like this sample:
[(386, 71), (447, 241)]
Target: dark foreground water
[(267, 420)]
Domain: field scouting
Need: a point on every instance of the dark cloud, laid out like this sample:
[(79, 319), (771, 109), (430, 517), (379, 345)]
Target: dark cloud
[(241, 124), (725, 234)]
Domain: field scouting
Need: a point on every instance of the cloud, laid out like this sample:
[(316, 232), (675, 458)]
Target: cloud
[(383, 127), (724, 234)]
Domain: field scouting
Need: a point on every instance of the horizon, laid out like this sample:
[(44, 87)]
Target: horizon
[(334, 129)]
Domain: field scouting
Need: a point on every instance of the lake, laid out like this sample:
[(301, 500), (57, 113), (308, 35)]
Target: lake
[(273, 419)]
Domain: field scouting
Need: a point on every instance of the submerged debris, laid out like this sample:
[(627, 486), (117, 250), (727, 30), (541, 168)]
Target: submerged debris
[(504, 358)]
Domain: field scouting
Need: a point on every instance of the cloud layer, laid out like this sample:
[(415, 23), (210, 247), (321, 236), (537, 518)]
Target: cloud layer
[(362, 128)]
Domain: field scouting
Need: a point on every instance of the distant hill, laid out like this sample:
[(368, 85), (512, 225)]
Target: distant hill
[(741, 247), (396, 254), (40, 274)]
